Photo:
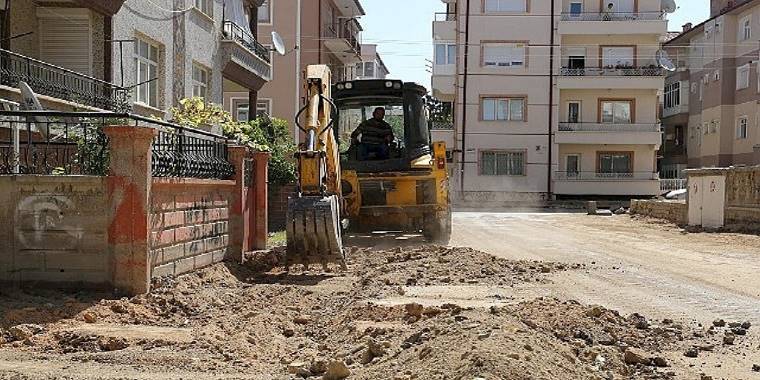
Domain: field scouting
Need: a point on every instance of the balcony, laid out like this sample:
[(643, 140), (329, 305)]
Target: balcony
[(677, 110), (598, 23), (610, 134), (342, 40), (444, 27), (594, 183), (246, 61), (443, 85), (624, 78), (60, 83)]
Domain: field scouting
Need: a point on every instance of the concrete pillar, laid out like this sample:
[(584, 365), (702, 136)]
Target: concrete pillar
[(756, 150), (239, 213), (260, 207), (128, 190)]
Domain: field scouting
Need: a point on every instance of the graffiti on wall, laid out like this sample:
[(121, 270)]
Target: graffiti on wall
[(48, 222)]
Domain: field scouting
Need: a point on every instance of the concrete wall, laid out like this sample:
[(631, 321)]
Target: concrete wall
[(189, 224), (674, 211), (743, 197), (54, 229)]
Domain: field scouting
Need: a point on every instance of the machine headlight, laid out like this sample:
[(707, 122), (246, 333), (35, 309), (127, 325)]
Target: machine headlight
[(349, 86), (340, 86), (397, 86), (389, 84)]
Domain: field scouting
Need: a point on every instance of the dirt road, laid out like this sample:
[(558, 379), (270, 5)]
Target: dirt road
[(638, 266)]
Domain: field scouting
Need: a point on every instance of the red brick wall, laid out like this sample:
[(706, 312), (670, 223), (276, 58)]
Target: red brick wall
[(278, 205), (189, 225)]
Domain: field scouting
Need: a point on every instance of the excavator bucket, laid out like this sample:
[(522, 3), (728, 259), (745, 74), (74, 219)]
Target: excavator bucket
[(314, 231)]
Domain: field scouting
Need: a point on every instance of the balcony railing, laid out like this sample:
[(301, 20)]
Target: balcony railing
[(235, 32), (345, 31), (606, 177), (613, 16), (673, 184), (445, 16), (442, 125), (58, 82), (606, 127), (647, 71)]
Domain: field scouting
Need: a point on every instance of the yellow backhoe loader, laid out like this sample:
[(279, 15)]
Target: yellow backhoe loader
[(344, 184)]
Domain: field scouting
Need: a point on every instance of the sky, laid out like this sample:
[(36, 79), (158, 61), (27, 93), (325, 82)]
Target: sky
[(402, 29)]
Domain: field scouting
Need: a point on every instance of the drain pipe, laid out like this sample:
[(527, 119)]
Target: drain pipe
[(551, 102), (297, 76), (464, 97)]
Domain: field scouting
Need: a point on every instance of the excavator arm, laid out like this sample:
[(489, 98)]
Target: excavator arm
[(314, 211)]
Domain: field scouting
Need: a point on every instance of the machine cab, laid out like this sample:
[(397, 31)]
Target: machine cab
[(382, 126)]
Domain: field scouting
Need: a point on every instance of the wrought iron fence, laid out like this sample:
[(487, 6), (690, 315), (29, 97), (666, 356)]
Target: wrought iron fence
[(608, 127), (613, 16), (73, 143), (442, 125), (61, 83), (236, 33), (645, 71), (673, 184), (599, 176)]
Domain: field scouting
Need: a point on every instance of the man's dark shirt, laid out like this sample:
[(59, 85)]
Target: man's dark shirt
[(374, 131)]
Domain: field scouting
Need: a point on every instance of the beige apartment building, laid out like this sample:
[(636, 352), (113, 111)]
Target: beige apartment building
[(315, 32), (554, 100), (715, 114)]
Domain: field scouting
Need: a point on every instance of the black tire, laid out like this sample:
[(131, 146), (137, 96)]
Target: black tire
[(437, 227)]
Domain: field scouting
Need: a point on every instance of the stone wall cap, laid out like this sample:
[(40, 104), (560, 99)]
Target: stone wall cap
[(129, 130), (720, 171)]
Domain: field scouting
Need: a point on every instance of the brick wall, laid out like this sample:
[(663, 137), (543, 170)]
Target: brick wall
[(277, 203), (674, 211), (54, 229), (190, 224)]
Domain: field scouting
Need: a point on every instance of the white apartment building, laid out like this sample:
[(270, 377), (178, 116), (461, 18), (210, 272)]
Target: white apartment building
[(372, 65), (552, 100)]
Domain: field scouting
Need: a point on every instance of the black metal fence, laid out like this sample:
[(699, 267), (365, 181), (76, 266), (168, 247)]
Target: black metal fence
[(61, 83), (234, 32), (73, 143)]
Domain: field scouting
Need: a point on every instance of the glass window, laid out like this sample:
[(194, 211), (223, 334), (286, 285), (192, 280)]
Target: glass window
[(445, 54), (615, 162), (745, 28), (205, 6), (503, 109), (742, 77), (741, 128), (369, 69), (265, 12), (500, 163), (504, 55), (146, 72), (200, 81), (617, 56), (506, 6), (576, 8), (672, 96), (573, 112), (262, 106), (616, 112)]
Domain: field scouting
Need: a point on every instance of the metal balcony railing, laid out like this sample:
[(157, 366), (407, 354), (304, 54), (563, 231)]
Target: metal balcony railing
[(445, 16), (346, 31), (673, 184), (61, 83), (606, 127), (235, 32), (646, 71), (613, 16), (605, 177), (442, 125)]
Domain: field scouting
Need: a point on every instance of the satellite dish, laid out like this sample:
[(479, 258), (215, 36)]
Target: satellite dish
[(29, 102), (669, 6), (664, 61), (279, 44)]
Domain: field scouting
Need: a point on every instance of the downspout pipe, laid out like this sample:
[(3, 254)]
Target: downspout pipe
[(551, 102), (464, 98), (297, 74)]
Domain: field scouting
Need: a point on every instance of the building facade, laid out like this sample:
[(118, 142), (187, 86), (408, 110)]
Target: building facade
[(554, 99), (716, 116), (131, 55), (315, 32), (372, 65)]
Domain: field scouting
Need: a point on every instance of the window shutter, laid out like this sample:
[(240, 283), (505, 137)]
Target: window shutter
[(65, 38)]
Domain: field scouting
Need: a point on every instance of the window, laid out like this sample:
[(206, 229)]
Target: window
[(265, 12), (146, 71), (742, 77), (205, 6), (503, 109), (445, 54), (741, 128), (200, 81), (672, 97), (262, 106), (745, 28), (678, 135), (714, 126), (618, 56), (503, 55), (502, 163), (576, 9), (573, 112), (369, 69), (614, 162), (573, 165), (506, 6), (617, 112)]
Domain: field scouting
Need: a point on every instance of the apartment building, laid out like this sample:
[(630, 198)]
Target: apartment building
[(554, 99), (372, 65), (315, 32), (714, 115), (129, 55)]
